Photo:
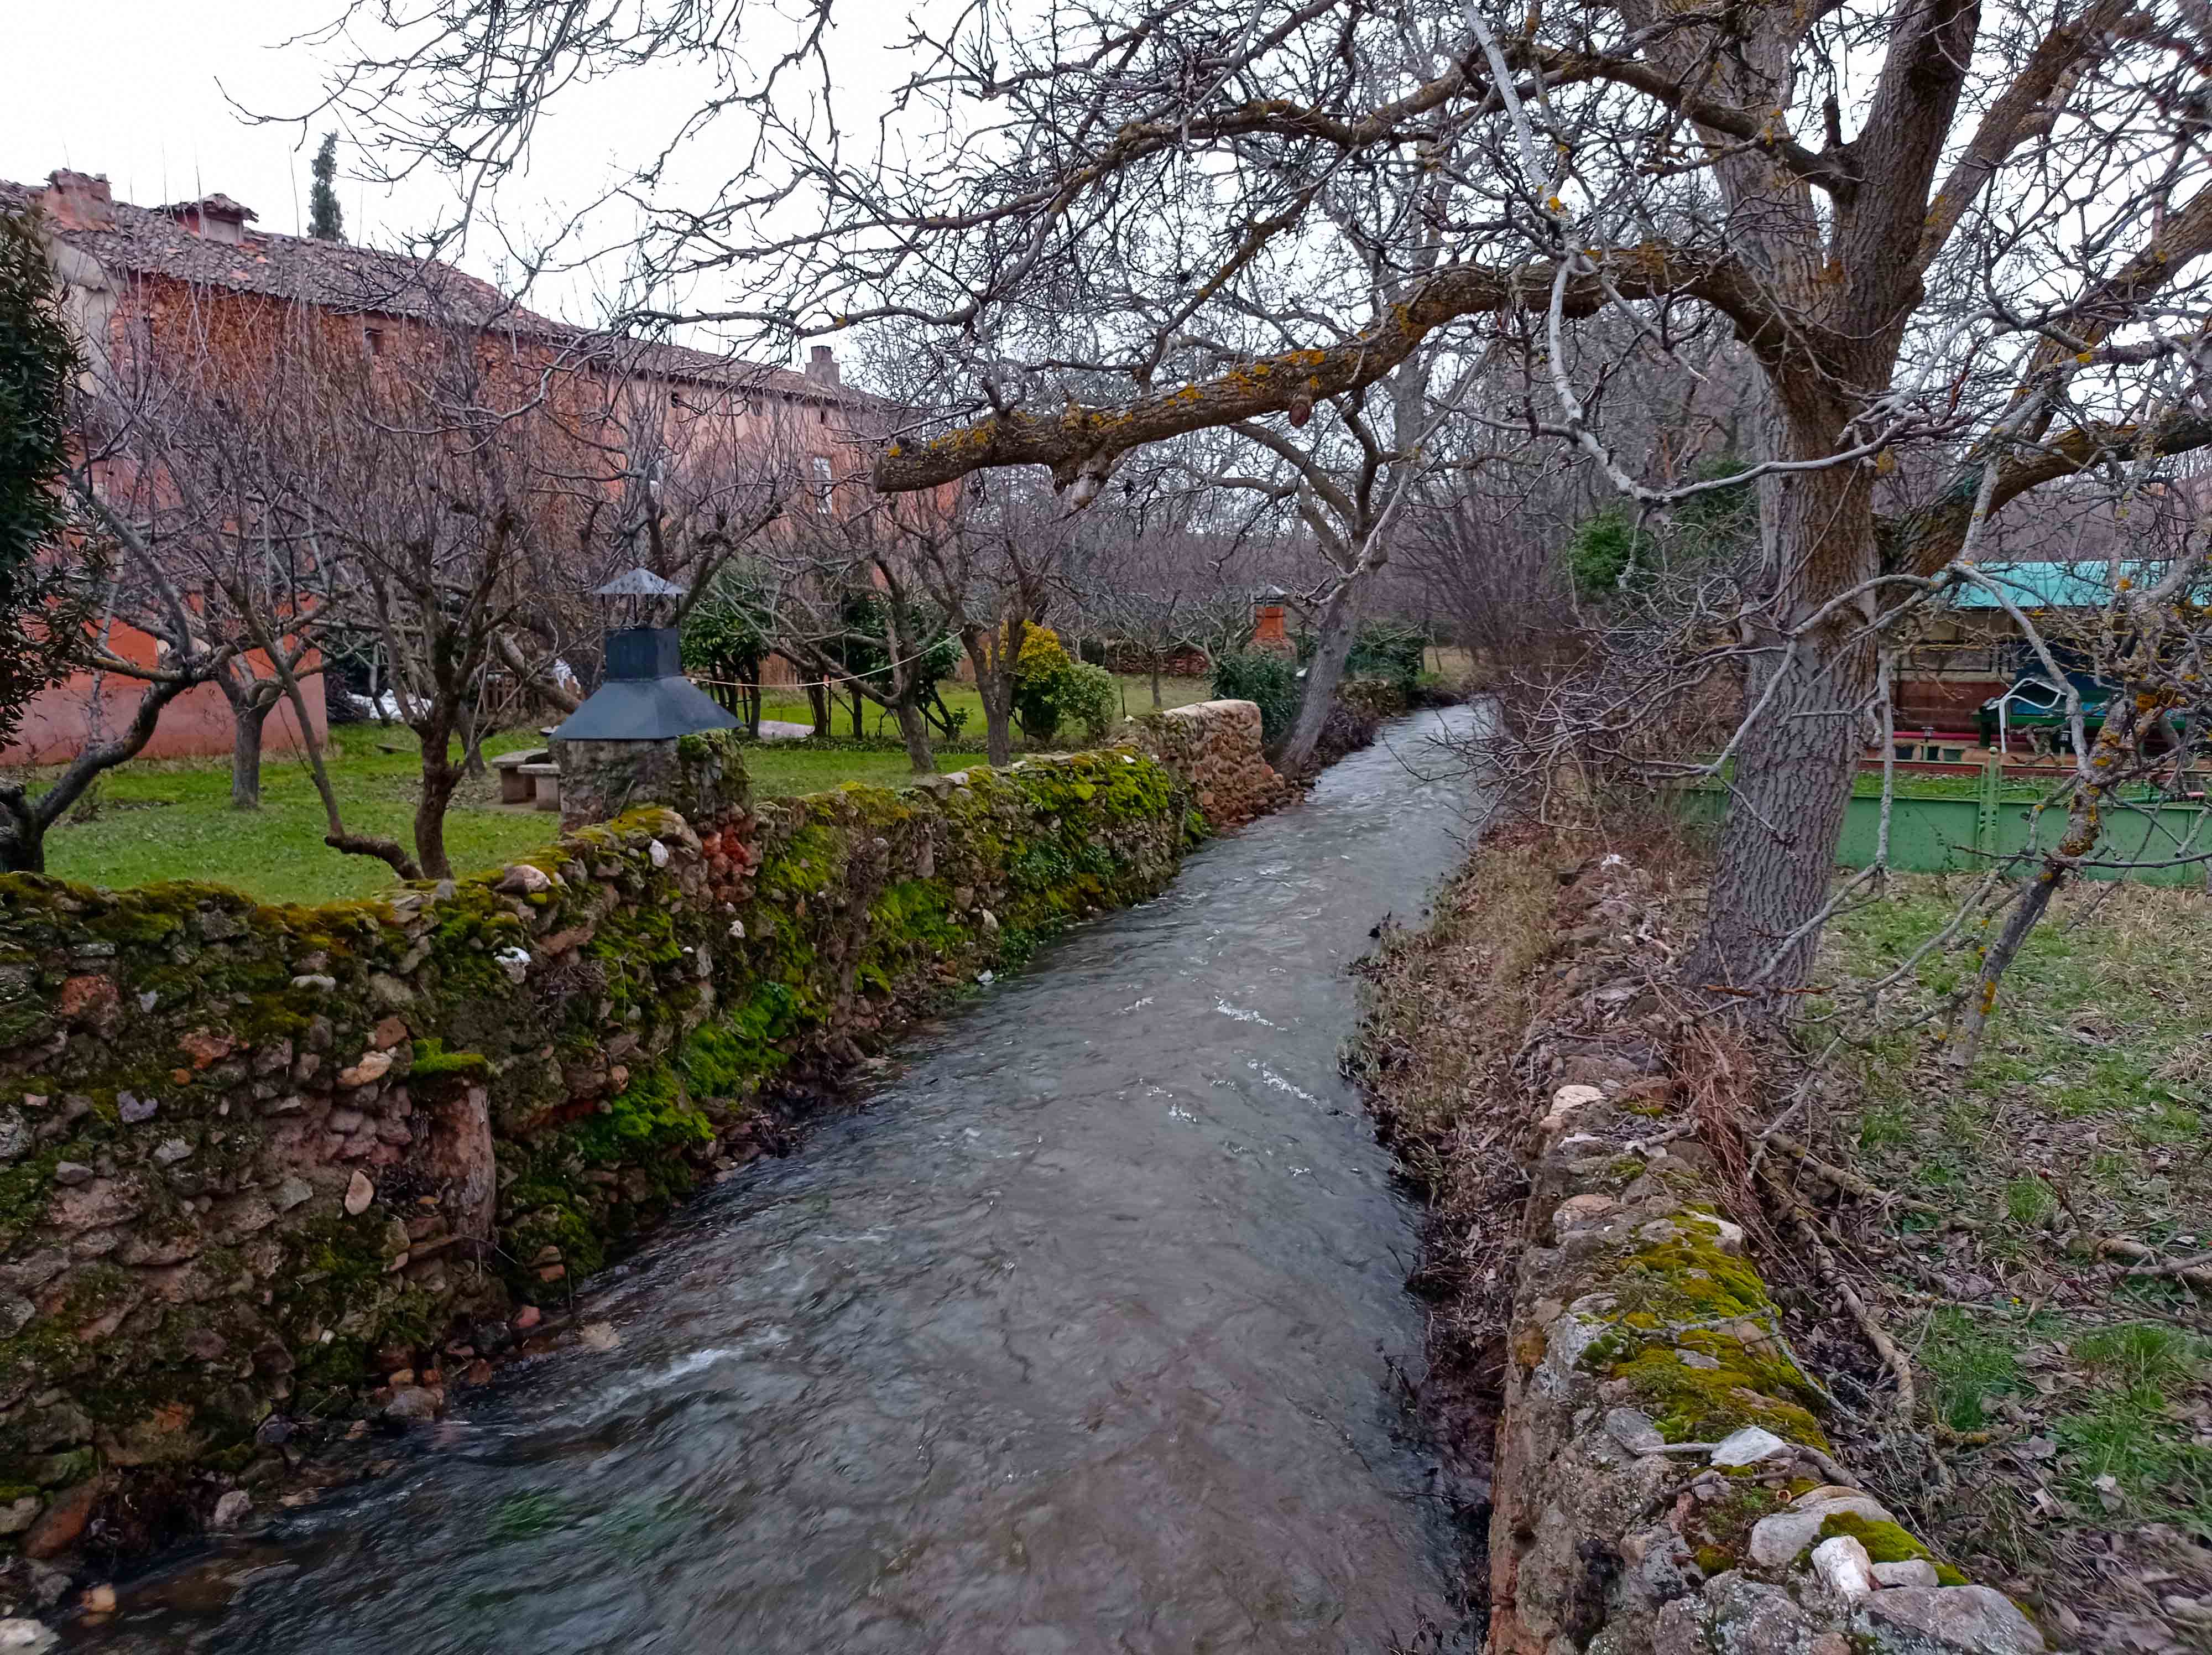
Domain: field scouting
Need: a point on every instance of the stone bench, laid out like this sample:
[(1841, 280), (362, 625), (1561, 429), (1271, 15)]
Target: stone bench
[(543, 781), (521, 775)]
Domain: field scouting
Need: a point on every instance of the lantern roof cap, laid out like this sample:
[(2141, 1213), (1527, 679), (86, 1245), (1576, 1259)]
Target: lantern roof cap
[(638, 583)]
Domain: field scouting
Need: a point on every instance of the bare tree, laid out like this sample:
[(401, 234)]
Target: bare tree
[(2001, 252), (1166, 585), (843, 597), (455, 477), (193, 449)]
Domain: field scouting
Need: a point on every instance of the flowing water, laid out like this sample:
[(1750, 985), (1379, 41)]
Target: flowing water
[(1079, 1337)]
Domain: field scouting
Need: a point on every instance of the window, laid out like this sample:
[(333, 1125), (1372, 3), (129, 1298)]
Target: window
[(822, 484), (822, 418), (373, 337)]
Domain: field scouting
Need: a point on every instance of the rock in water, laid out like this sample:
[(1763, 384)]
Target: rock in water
[(63, 1521), (233, 1509), (598, 1336), (23, 1636), (412, 1405)]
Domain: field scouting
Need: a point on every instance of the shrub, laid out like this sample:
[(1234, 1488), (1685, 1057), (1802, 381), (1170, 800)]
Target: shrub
[(1390, 651), (1051, 691), (1267, 680), (1605, 548), (1092, 700)]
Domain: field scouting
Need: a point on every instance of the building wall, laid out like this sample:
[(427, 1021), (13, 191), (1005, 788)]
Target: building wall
[(60, 722)]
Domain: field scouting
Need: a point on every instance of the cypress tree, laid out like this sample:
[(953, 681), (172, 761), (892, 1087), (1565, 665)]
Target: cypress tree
[(41, 621), (325, 222)]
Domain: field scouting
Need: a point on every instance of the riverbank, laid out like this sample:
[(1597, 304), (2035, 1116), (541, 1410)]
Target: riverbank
[(1083, 1331), (1669, 1438), (270, 1169)]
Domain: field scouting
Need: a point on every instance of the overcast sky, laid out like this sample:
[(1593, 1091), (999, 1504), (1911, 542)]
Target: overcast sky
[(134, 89), (145, 90)]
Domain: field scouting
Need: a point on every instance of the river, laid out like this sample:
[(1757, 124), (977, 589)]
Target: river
[(1079, 1335)]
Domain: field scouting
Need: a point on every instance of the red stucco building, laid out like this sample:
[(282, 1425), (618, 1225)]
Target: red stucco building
[(142, 281)]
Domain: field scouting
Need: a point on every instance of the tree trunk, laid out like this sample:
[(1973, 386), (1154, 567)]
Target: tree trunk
[(439, 781), (1156, 680), (914, 730), (1795, 768), (857, 731), (817, 703), (440, 777), (472, 759), (249, 716), (22, 835), (994, 688), (1339, 624)]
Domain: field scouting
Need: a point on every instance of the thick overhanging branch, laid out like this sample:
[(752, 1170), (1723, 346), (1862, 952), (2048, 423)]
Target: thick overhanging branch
[(1080, 444), (1926, 542)]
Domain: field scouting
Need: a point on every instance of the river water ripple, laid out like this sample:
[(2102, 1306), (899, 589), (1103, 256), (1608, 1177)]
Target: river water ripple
[(1077, 1338)]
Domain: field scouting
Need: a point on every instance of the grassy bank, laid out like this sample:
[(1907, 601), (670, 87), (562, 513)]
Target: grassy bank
[(2056, 1189), (2035, 1235), (171, 819)]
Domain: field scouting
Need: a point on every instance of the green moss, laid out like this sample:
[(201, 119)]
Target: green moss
[(434, 1062), (1885, 1542), (1693, 1404), (1889, 1542), (1669, 1293), (1712, 1560), (65, 1470)]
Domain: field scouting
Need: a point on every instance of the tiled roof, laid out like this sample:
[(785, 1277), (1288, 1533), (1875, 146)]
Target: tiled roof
[(342, 277)]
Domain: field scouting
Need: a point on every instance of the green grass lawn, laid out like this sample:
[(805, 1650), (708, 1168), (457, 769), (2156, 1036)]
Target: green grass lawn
[(171, 819), (2089, 1113)]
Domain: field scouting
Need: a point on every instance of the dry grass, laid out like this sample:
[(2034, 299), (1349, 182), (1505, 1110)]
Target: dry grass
[(1446, 1007)]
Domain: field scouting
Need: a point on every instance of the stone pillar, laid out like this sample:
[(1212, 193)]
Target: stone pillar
[(600, 780), (701, 776)]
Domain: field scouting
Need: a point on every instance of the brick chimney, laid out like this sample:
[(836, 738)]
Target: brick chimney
[(78, 201), (822, 366), (213, 218)]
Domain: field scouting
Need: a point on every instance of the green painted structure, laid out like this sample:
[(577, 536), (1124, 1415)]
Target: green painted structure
[(1951, 831)]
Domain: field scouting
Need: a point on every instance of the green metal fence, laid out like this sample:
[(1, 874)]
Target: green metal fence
[(1955, 832)]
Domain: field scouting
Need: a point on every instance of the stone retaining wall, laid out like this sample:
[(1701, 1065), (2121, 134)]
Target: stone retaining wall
[(1662, 1482), (1216, 747), (263, 1168)]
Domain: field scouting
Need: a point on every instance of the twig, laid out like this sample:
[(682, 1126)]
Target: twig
[(2144, 1261), (1824, 1261), (1852, 1183)]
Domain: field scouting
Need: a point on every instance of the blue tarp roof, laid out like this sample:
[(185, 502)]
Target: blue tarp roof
[(2084, 585)]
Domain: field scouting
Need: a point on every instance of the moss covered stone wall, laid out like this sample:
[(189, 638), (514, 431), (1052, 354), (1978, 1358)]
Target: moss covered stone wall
[(1663, 1481), (1216, 747), (255, 1161)]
